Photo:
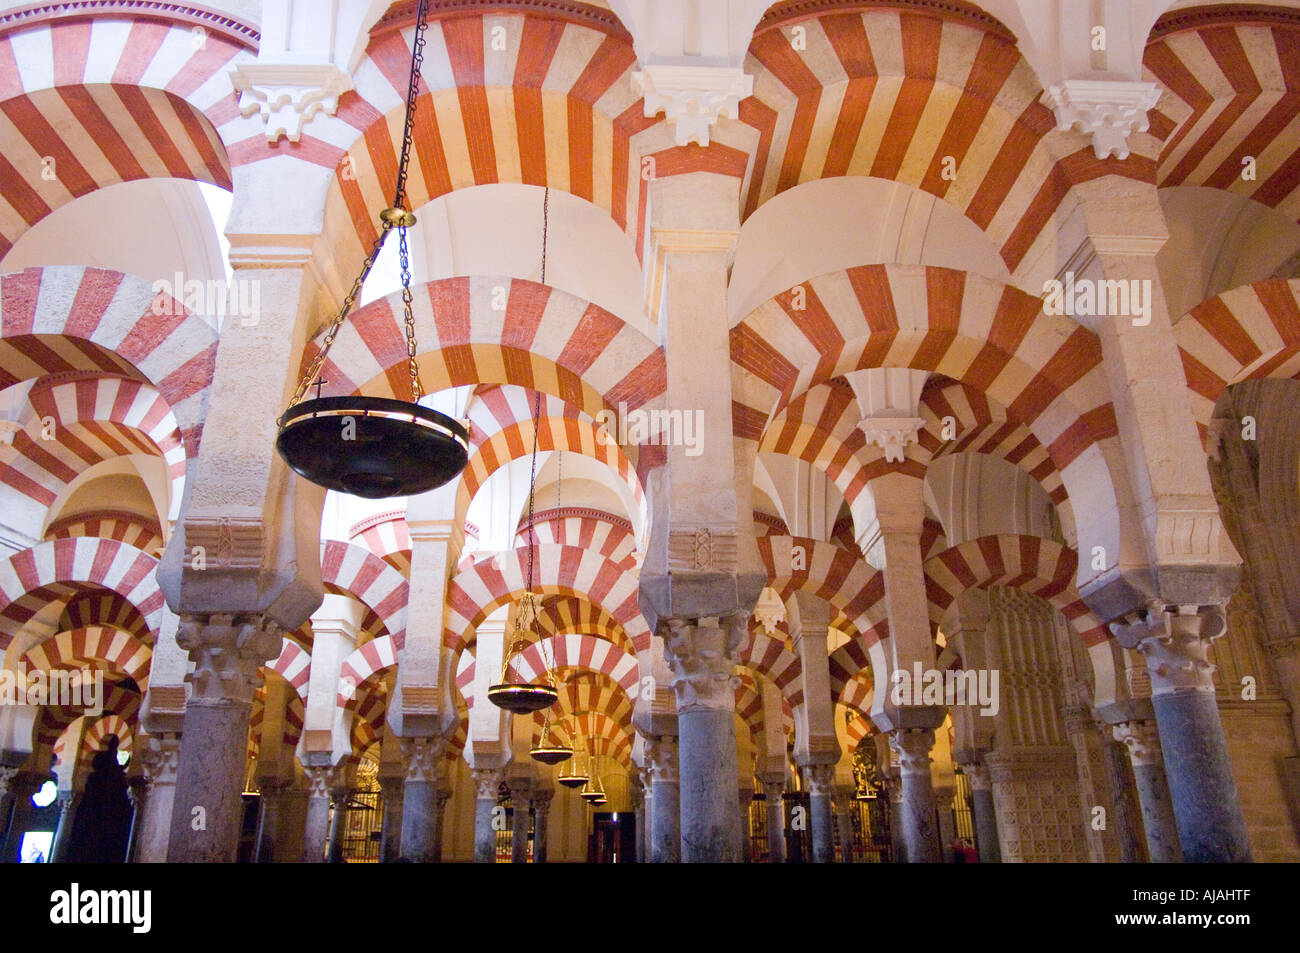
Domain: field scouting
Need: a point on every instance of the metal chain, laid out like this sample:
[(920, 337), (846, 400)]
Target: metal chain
[(412, 91), (417, 388), (546, 222), (532, 485)]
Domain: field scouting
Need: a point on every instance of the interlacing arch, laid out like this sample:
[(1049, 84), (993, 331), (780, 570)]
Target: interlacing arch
[(54, 720), (550, 103), (940, 85), (770, 656), (1247, 333), (54, 570), (567, 570), (120, 653), (376, 657), (293, 664), (61, 319), (586, 651), (93, 605), (584, 689), (122, 525), (545, 340), (388, 537), (295, 714), (601, 532), (112, 100), (354, 571), (1228, 79), (70, 426)]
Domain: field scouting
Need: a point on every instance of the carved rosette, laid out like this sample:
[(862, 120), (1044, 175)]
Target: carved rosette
[(423, 758), (661, 760), (487, 783), (913, 748), (227, 651), (702, 657), (1176, 642), (1142, 740)]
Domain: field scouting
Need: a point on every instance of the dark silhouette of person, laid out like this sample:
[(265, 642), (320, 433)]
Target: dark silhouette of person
[(101, 825)]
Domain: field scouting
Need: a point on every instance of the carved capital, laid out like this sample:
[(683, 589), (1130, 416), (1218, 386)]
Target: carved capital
[(913, 748), (323, 781), (288, 96), (1175, 641), (1108, 110), (225, 543), (818, 778), (423, 757), (693, 98), (161, 758), (702, 657), (487, 783), (1142, 740), (892, 434), (661, 759), (227, 651), (773, 790), (542, 801), (977, 773)]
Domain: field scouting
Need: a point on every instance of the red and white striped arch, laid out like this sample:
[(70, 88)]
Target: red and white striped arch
[(546, 339), (122, 525), (388, 537), (376, 657), (584, 652), (596, 530), (562, 615), (1248, 332), (1229, 90), (54, 570), (473, 594), (53, 720), (769, 656), (97, 606), (293, 664), (1034, 565), (110, 99), (843, 578), (60, 318), (357, 572), (119, 652), (91, 420), (892, 93), (92, 742), (294, 715), (583, 689), (554, 108)]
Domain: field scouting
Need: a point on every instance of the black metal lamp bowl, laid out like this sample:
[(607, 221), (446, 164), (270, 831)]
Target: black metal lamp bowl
[(551, 754), (523, 699), (372, 447), (573, 777)]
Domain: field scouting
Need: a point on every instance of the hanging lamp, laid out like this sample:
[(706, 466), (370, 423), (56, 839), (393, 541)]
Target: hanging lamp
[(532, 696), (376, 447), (594, 792), (550, 752), (575, 774)]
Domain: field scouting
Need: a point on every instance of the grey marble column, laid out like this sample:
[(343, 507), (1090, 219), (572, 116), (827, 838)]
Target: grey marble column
[(773, 797), (984, 813), (160, 759), (520, 795), (339, 797), (487, 819), (67, 804), (138, 791), (922, 840), (665, 832), (821, 819), (421, 829), (1142, 740), (439, 814), (644, 839), (541, 813), (270, 804), (227, 651), (842, 802), (894, 791), (321, 779), (701, 656), (744, 801), (1176, 642), (1125, 810), (390, 835)]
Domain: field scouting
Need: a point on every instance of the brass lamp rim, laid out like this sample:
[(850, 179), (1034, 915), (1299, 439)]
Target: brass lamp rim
[(551, 754), (523, 699)]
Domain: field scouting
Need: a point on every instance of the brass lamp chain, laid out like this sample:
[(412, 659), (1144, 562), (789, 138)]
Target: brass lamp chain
[(387, 224)]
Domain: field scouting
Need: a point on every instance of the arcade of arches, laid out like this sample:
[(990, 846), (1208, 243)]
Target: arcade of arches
[(814, 423)]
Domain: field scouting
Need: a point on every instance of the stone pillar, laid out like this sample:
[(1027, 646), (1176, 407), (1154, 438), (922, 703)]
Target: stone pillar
[(817, 780), (439, 813), (520, 797), (292, 822), (984, 813), (227, 651), (390, 838), (1142, 740), (639, 812), (421, 837), (487, 782), (773, 797), (665, 830), (138, 791), (919, 835), (7, 775), (67, 803), (338, 823), (702, 659), (895, 793), (842, 802), (1176, 641), (321, 780), (1126, 812), (743, 802), (541, 812), (271, 793)]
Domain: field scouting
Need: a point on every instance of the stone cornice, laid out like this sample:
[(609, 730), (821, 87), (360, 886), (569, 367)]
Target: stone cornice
[(1223, 14), (573, 512), (402, 15), (223, 24), (782, 14)]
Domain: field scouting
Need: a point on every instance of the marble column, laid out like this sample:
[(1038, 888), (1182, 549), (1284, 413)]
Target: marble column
[(665, 830), (842, 802), (439, 813), (919, 834), (227, 651), (338, 823), (271, 793), (520, 798), (7, 775), (894, 791), (321, 779), (745, 799), (292, 822), (138, 790), (773, 797), (983, 812), (701, 656), (1176, 642), (1142, 740), (67, 805), (421, 832), (1125, 812), (639, 812), (541, 812), (487, 819), (390, 837), (817, 781), (646, 841)]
